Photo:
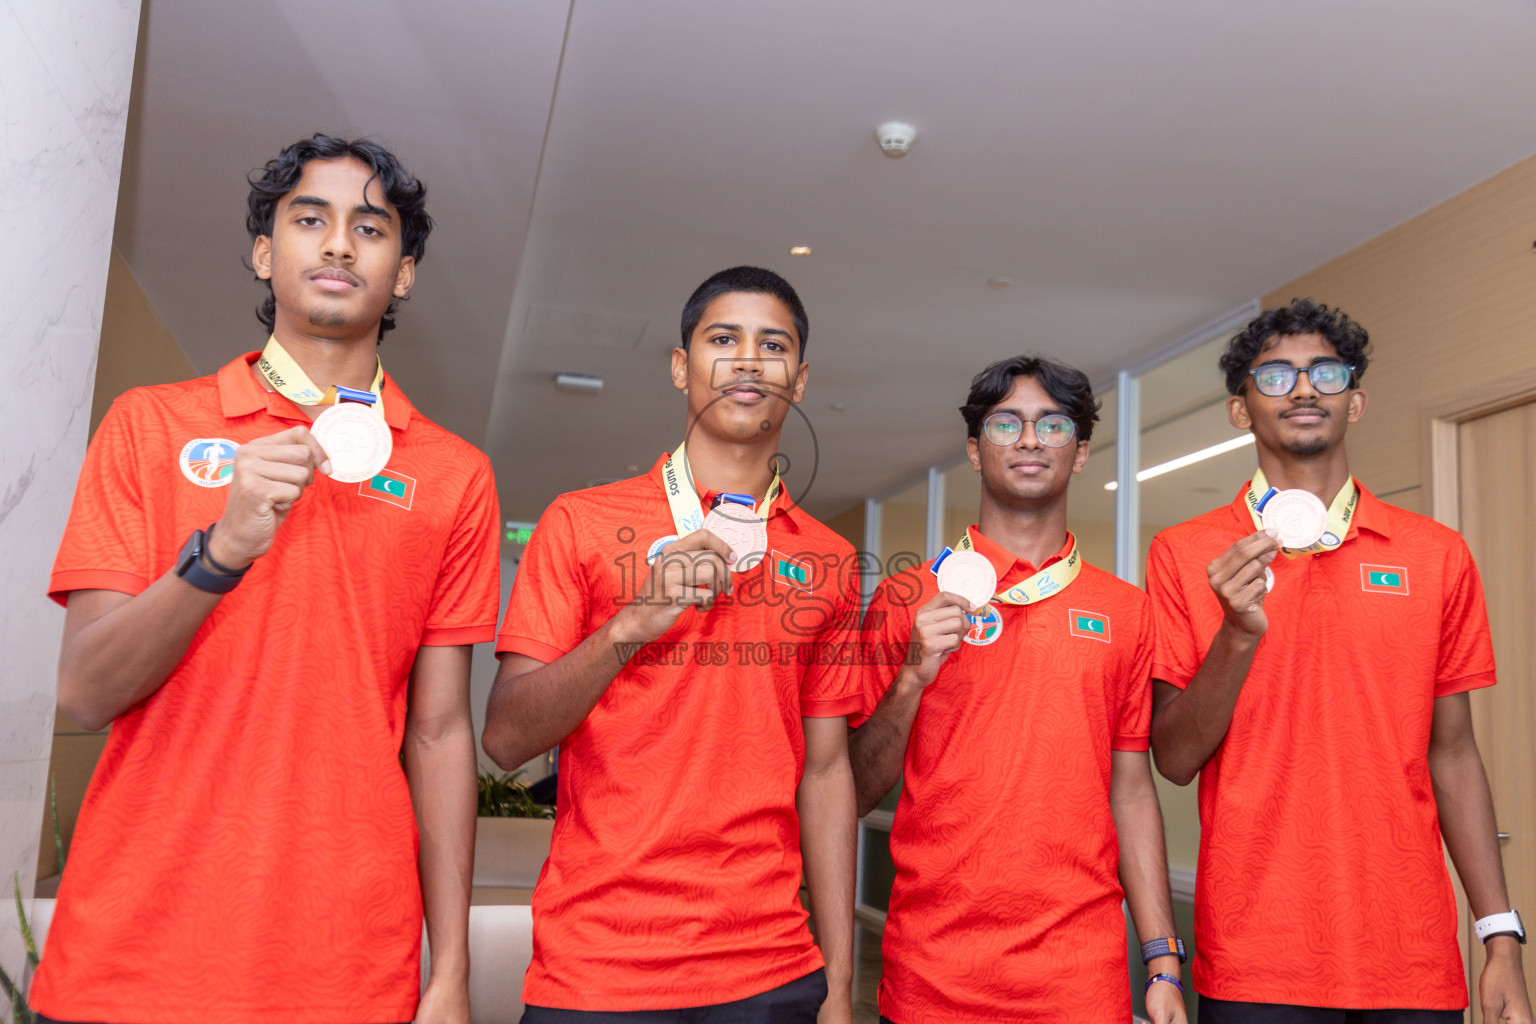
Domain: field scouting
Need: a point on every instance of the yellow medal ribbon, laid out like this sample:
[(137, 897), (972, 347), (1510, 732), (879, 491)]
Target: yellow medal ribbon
[(1048, 582), (683, 497), (1340, 513), (288, 379)]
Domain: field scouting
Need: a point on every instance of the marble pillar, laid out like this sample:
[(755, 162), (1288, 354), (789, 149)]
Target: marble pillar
[(66, 70)]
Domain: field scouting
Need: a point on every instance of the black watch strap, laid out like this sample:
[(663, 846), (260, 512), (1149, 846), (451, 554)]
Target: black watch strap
[(218, 567), (189, 566)]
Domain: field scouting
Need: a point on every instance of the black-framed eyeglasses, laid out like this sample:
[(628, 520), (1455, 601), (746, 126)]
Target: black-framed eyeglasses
[(1276, 380), (1005, 428)]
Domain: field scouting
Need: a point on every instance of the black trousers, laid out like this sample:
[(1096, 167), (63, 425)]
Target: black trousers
[(795, 1003), (1220, 1011)]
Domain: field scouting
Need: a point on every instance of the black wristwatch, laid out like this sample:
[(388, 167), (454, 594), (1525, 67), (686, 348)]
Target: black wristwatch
[(189, 565)]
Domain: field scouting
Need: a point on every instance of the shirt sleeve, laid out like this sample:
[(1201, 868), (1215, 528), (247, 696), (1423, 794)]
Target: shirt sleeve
[(1133, 729), (547, 612), (1466, 647), (829, 688), (887, 629), (1175, 658), (106, 540), (469, 579)]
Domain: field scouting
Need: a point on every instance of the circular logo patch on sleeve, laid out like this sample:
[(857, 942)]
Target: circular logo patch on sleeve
[(208, 461)]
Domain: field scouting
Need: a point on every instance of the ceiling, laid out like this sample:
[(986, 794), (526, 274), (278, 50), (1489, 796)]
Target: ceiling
[(1133, 170)]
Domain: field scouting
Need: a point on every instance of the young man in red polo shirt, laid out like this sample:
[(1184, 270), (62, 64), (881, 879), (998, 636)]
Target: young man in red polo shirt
[(698, 704), (1018, 728), (1319, 690), (286, 683)]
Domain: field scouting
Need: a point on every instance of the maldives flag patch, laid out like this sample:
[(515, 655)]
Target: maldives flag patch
[(391, 486), (1081, 623), (1384, 579), (793, 571)]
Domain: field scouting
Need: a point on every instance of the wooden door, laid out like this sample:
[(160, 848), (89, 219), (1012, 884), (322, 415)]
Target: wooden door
[(1496, 508)]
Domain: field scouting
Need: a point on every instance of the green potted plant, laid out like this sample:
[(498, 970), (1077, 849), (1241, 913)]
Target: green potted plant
[(15, 989), (513, 834)]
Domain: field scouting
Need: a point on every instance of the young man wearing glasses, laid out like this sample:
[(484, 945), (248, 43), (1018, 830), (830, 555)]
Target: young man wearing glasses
[(1018, 727), (1316, 647)]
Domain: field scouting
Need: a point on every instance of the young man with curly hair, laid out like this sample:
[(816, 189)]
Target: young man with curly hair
[(283, 656), (1316, 649)]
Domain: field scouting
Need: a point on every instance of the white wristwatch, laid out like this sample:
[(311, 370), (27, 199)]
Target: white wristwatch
[(1499, 924)]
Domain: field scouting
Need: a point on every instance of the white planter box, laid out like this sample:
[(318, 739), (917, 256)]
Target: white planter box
[(39, 917), (510, 852)]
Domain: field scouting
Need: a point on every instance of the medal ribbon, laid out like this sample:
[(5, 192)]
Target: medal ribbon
[(288, 379), (683, 498), (1340, 513), (1048, 582)]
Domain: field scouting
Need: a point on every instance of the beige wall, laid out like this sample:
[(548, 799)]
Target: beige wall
[(849, 525), (1449, 299), (903, 531), (136, 349)]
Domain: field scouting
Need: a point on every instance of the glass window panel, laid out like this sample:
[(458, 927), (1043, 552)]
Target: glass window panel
[(1091, 508), (1184, 412), (904, 529), (962, 500), (879, 870)]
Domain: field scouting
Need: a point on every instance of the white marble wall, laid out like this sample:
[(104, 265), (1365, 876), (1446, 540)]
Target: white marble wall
[(66, 69)]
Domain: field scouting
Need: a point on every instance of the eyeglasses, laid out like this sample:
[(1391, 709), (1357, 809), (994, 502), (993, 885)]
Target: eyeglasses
[(1005, 429), (1277, 380)]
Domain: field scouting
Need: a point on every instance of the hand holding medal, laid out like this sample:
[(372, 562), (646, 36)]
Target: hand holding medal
[(937, 630), (964, 572), (735, 521), (352, 430), (692, 567), (690, 572), (1241, 578), (269, 475)]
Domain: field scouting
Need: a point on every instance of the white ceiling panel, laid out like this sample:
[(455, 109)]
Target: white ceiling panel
[(1132, 169)]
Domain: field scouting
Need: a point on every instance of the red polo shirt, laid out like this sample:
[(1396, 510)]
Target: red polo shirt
[(674, 873), (1006, 904), (1321, 876), (247, 850)]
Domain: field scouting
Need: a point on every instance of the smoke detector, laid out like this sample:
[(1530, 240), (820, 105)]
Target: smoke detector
[(895, 138)]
